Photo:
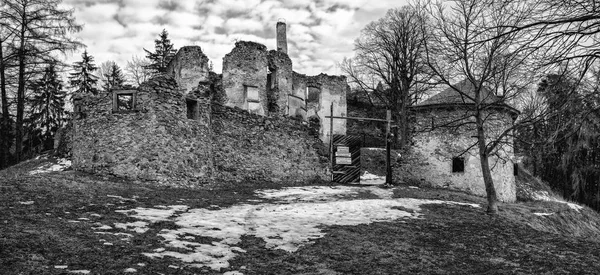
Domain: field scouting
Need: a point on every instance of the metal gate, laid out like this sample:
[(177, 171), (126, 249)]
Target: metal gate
[(346, 163), (344, 151)]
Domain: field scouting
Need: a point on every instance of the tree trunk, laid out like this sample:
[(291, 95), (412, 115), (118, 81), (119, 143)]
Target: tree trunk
[(490, 191), (5, 127), (20, 91)]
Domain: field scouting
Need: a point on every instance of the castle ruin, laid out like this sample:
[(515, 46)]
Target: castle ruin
[(192, 126)]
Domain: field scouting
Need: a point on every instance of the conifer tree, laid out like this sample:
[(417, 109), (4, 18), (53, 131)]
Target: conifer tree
[(113, 78), (47, 105), (162, 55), (83, 80)]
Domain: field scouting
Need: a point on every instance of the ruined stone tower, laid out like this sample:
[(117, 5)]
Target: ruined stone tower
[(281, 37)]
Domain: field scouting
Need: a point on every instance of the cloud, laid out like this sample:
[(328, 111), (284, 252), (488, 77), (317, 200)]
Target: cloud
[(320, 33)]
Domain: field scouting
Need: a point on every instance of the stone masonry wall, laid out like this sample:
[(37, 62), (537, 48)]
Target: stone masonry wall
[(157, 142), (282, 83), (246, 64), (253, 147), (333, 89), (189, 67), (154, 142), (297, 106), (430, 158)]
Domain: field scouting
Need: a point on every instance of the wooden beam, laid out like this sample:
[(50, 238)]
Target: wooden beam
[(357, 118)]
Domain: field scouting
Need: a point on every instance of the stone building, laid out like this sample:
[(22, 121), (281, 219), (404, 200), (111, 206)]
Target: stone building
[(192, 126), (263, 82), (443, 151)]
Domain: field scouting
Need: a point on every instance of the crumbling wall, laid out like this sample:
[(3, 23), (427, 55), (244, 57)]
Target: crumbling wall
[(429, 160), (332, 90), (296, 103), (189, 67), (155, 141), (253, 147), (246, 65), (279, 83)]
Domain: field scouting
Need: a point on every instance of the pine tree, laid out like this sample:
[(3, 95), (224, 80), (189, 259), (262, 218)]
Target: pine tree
[(83, 80), (162, 55), (47, 105), (113, 78)]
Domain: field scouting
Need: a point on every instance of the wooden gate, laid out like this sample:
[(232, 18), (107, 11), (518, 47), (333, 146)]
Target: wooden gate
[(344, 151), (346, 162)]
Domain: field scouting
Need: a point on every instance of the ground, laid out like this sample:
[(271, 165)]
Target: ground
[(65, 222)]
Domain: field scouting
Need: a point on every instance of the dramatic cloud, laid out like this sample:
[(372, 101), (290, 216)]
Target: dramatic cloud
[(320, 33)]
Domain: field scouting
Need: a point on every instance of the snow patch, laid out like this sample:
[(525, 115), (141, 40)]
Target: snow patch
[(369, 176), (82, 271), (542, 214), (138, 227), (545, 196), (154, 215), (61, 165), (292, 221)]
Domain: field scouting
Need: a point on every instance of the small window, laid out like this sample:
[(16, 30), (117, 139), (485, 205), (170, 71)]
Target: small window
[(253, 99), (123, 101), (77, 105), (192, 108), (312, 95), (515, 169), (458, 165)]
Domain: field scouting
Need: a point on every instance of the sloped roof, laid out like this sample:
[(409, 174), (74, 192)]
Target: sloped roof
[(451, 96)]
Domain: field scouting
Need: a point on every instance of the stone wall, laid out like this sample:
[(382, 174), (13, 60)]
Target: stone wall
[(189, 67), (430, 158), (252, 147), (245, 65), (157, 142), (332, 89), (280, 84), (154, 142)]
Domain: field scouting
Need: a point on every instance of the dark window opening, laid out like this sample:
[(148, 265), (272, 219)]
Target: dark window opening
[(124, 102), (192, 108), (76, 105), (313, 95), (515, 169), (458, 165)]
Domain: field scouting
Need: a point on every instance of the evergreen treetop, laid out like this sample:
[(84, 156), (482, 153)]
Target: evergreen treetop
[(83, 79), (164, 52)]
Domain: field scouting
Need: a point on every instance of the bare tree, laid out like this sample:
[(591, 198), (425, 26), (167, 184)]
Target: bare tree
[(390, 62), (137, 69), (40, 28), (472, 44), (5, 124)]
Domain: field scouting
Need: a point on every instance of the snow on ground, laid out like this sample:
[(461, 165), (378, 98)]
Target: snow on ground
[(545, 196), (46, 168), (369, 176), (292, 219)]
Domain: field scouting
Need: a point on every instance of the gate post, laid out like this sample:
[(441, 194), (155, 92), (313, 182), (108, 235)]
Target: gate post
[(388, 165), (331, 139)]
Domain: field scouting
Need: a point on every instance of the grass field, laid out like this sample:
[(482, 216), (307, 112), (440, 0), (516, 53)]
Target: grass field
[(66, 222)]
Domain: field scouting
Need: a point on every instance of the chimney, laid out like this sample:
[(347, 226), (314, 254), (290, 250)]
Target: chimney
[(281, 36)]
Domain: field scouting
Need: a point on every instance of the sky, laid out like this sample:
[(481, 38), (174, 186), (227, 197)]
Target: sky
[(319, 33)]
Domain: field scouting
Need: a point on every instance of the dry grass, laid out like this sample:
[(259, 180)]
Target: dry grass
[(36, 237)]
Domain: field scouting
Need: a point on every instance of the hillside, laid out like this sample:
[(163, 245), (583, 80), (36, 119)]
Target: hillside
[(58, 221)]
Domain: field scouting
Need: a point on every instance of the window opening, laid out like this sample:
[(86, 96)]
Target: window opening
[(192, 108), (252, 99), (123, 101), (458, 165)]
